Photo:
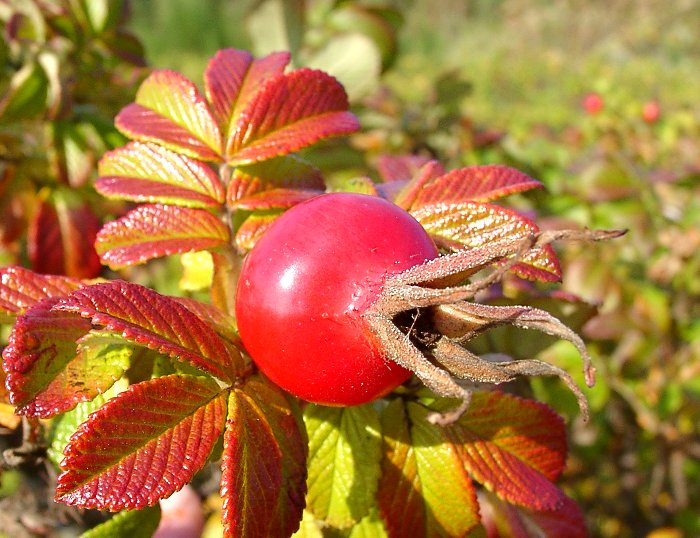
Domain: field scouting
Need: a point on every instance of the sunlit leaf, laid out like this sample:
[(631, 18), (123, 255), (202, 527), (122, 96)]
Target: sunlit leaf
[(475, 224), (286, 172), (170, 111), (400, 167), (142, 445), (253, 228), (21, 288), (344, 453), (145, 172), (424, 489), (290, 112), (275, 199), (231, 79), (423, 177), (514, 447), (147, 318), (132, 523), (264, 463), (152, 231)]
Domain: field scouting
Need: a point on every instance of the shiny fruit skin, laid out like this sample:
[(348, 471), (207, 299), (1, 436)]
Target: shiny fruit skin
[(304, 287)]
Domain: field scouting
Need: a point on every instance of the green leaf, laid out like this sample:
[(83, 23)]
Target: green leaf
[(370, 526), (144, 172), (132, 523), (264, 462), (142, 445), (424, 489), (344, 453), (26, 97), (152, 231), (170, 111)]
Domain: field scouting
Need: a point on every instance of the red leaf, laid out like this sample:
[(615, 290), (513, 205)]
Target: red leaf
[(275, 199), (170, 111), (290, 112), (282, 172), (159, 322), (424, 176), (21, 288), (151, 231), (232, 77), (514, 447), (400, 167), (263, 478), (253, 229), (61, 238), (142, 445), (475, 224), (474, 183), (150, 173)]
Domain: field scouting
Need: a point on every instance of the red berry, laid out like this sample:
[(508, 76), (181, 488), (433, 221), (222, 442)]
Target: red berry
[(651, 111), (304, 287), (593, 103)]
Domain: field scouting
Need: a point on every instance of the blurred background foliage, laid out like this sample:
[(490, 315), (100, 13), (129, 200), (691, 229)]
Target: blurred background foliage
[(597, 99)]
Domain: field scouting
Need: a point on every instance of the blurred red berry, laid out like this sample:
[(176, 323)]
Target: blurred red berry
[(592, 103), (651, 111)]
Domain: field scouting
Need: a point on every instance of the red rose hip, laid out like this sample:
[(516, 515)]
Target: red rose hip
[(304, 287)]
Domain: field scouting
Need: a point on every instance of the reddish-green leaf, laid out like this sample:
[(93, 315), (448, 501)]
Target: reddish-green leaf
[(170, 111), (475, 224), (275, 199), (142, 316), (21, 288), (264, 463), (282, 172), (253, 229), (503, 520), (142, 445), (514, 447), (151, 231), (231, 79), (424, 489), (61, 238), (474, 183), (423, 177), (290, 111), (150, 173), (400, 167)]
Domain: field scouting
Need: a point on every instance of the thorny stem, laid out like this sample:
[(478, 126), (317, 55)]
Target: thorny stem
[(459, 320)]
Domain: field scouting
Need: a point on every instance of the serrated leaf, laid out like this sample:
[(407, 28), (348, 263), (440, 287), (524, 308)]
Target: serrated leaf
[(291, 111), (344, 453), (286, 172), (475, 224), (46, 373), (21, 288), (474, 183), (275, 199), (221, 322), (144, 172), (264, 463), (253, 228), (400, 167), (132, 523), (231, 79), (170, 111), (423, 177), (142, 316), (424, 489), (142, 445), (152, 231), (514, 447), (504, 520)]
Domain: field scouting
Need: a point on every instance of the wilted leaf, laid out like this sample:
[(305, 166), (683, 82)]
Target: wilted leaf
[(264, 463), (514, 447), (344, 453), (424, 489), (152, 231), (475, 224), (232, 77), (142, 445), (291, 111), (170, 111), (145, 172)]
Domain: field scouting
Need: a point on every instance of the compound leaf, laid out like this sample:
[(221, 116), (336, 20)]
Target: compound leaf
[(152, 231), (289, 112), (475, 224), (344, 454), (145, 172), (231, 79), (424, 489), (514, 447), (142, 445), (264, 462), (170, 111)]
